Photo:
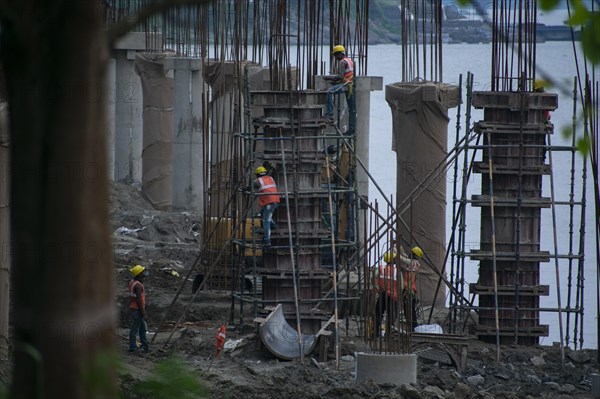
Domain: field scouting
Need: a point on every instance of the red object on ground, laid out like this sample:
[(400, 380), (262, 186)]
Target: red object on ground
[(220, 339)]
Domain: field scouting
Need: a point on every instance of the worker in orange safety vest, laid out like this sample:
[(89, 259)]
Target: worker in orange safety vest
[(388, 286), (137, 306), (342, 83), (268, 200)]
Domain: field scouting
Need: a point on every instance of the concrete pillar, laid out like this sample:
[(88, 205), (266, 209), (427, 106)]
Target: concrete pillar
[(188, 137), (224, 115), (386, 369), (128, 105), (109, 98), (4, 229), (363, 87)]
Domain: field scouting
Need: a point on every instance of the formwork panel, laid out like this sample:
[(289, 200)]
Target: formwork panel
[(282, 291), (515, 129), (281, 260), (261, 98), (514, 100)]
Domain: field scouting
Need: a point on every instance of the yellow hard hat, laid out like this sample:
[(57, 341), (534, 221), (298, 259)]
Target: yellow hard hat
[(389, 257), (338, 49), (417, 251), (539, 84), (260, 170), (137, 270)]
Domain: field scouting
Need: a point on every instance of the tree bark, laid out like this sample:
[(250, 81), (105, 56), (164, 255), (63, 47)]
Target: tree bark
[(4, 231), (54, 54)]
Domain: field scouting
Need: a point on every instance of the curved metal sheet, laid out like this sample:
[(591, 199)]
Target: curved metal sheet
[(281, 339)]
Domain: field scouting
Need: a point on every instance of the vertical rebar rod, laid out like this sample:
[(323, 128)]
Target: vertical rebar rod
[(292, 257), (556, 268), (333, 256), (571, 223), (493, 227)]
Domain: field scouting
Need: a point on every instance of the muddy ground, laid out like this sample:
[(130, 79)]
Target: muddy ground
[(167, 243)]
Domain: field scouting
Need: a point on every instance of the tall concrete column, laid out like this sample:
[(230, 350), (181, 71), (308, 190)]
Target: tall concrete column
[(420, 140), (128, 105), (363, 87), (4, 229), (188, 137)]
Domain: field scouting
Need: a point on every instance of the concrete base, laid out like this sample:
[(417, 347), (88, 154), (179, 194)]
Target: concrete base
[(595, 384), (386, 369)]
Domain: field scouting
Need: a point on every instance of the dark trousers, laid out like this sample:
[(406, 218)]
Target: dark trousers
[(138, 325), (409, 304)]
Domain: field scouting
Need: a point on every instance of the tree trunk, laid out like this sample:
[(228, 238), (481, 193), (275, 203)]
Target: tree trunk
[(54, 54), (4, 231)]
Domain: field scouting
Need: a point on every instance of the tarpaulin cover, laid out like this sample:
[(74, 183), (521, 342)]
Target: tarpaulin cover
[(420, 139), (157, 147)]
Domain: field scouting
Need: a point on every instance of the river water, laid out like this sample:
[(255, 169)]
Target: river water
[(557, 60)]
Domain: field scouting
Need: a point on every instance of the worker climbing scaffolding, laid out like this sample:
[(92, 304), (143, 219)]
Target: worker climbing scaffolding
[(342, 83), (268, 200)]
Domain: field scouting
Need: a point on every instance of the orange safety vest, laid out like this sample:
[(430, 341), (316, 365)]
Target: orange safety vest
[(133, 303), (386, 281), (349, 72), (267, 185)]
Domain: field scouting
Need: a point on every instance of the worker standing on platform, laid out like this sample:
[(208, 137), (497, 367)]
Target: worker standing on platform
[(268, 200), (343, 83), (386, 280), (538, 87)]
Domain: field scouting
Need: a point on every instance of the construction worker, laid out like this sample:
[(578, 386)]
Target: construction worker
[(538, 87), (268, 200), (342, 83), (386, 280), (137, 304)]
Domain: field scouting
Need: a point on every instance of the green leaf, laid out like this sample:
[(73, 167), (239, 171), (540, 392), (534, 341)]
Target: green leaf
[(567, 132), (171, 379), (583, 145), (580, 15), (590, 39), (548, 5), (4, 391), (464, 2)]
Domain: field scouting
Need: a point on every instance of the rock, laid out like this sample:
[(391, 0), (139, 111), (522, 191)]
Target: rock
[(502, 376), (552, 385), (410, 392), (567, 388), (533, 378), (315, 363), (462, 391), (146, 220), (347, 358), (475, 380), (570, 366), (434, 391), (578, 357), (538, 360)]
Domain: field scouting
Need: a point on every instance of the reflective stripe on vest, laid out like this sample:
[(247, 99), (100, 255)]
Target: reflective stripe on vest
[(349, 72), (267, 185), (133, 303), (386, 280)]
